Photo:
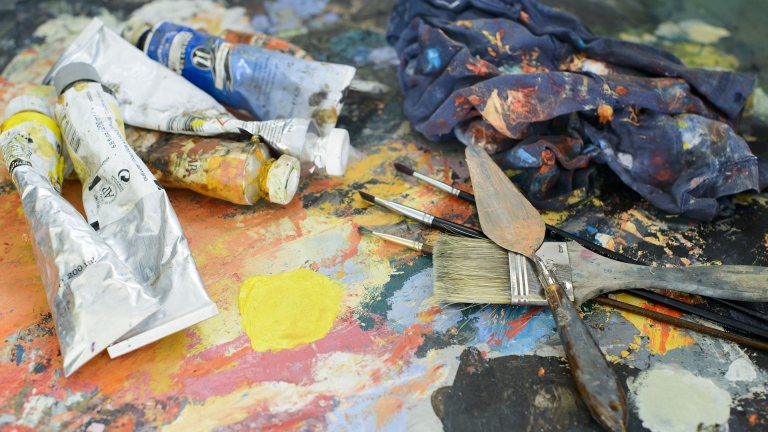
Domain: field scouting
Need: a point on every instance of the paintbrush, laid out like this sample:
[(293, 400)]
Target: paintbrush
[(410, 244), (553, 232), (428, 250), (523, 296), (423, 217), (558, 234), (510, 220), (477, 271)]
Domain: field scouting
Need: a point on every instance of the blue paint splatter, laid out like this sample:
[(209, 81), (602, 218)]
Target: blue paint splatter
[(19, 354), (433, 57), (408, 302), (495, 326), (525, 156)]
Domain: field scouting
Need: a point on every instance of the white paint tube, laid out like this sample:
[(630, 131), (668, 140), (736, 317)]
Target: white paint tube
[(125, 204), (153, 97), (93, 296)]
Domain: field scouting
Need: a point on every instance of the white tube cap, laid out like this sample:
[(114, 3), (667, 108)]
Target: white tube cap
[(337, 152), (283, 179), (26, 103)]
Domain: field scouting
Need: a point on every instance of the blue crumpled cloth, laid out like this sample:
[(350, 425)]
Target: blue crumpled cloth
[(535, 87)]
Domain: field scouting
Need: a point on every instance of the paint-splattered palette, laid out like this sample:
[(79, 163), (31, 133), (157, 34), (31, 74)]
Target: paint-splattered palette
[(392, 358)]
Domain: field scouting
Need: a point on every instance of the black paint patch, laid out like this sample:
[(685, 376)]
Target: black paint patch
[(526, 393)]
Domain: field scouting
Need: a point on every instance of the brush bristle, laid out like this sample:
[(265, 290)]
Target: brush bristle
[(363, 230), (403, 169), (471, 271), (367, 197)]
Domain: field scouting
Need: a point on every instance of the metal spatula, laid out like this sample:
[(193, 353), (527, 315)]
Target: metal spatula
[(510, 221)]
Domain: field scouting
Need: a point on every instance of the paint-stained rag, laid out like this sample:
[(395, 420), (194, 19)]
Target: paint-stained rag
[(536, 87)]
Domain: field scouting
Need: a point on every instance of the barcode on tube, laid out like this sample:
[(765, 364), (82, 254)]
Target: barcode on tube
[(71, 137)]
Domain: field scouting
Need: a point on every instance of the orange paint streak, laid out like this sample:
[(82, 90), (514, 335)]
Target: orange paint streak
[(605, 113), (388, 407), (481, 67)]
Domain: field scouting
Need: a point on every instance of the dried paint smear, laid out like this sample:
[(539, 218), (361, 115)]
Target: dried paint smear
[(671, 399), (285, 310)]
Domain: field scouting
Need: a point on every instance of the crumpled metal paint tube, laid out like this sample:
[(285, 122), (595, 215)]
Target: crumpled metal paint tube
[(235, 171), (153, 97), (93, 296), (125, 204), (533, 85)]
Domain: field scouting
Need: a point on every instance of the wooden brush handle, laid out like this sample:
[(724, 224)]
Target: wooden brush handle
[(598, 385), (594, 275)]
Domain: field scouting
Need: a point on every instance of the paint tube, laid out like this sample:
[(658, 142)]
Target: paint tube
[(267, 84), (125, 204), (238, 172), (93, 296), (136, 27), (153, 97), (260, 40)]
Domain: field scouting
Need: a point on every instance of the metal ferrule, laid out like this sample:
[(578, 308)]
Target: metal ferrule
[(546, 276), (406, 211), (437, 184), (411, 244)]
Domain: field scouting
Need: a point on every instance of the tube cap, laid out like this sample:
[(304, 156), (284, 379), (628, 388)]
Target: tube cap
[(337, 152), (26, 103), (74, 72), (283, 179), (134, 28)]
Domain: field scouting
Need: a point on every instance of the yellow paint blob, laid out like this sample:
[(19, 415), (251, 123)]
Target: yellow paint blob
[(285, 310)]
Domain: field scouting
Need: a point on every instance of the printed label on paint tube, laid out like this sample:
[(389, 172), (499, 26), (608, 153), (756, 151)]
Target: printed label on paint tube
[(265, 83), (32, 144), (113, 177)]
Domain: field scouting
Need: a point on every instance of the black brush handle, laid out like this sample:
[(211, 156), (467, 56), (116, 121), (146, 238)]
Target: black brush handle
[(556, 233), (694, 310), (466, 196), (457, 229)]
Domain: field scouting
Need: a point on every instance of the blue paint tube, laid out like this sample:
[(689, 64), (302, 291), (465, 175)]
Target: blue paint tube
[(267, 84)]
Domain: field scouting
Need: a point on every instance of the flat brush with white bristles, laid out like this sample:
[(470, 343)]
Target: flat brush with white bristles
[(479, 271), (457, 280)]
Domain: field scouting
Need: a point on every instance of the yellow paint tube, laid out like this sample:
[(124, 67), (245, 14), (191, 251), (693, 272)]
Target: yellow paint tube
[(92, 294), (235, 171)]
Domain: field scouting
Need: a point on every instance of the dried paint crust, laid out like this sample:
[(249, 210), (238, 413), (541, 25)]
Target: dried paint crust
[(234, 171), (391, 348)]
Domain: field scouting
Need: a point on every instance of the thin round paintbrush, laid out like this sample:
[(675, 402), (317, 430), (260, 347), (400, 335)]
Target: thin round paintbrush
[(410, 244), (423, 217)]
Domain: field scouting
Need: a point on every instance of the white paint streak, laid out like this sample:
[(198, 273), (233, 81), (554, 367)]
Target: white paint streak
[(741, 370), (594, 66), (625, 160), (201, 14), (692, 30), (671, 399)]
